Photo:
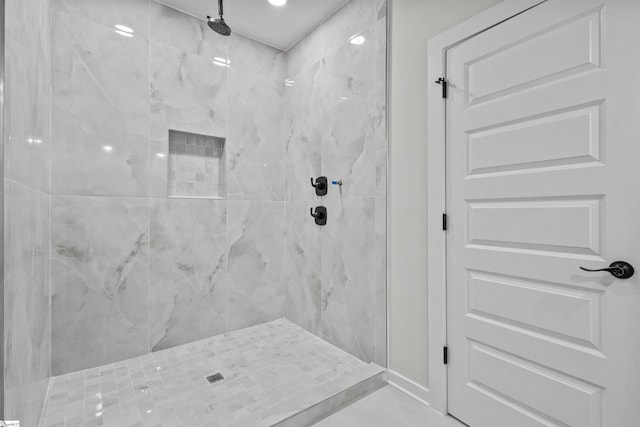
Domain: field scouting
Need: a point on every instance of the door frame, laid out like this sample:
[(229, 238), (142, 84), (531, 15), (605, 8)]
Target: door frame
[(436, 187)]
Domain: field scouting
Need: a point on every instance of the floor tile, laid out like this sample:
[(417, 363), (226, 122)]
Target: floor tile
[(264, 367)]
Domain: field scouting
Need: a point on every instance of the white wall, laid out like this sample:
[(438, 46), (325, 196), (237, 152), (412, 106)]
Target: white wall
[(413, 22)]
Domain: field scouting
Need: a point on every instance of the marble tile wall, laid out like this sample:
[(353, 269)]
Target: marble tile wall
[(134, 271), (100, 275), (27, 139), (255, 267), (335, 125), (188, 287)]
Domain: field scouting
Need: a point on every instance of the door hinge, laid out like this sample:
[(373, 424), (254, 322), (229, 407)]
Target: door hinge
[(445, 87), (445, 222), (445, 355)]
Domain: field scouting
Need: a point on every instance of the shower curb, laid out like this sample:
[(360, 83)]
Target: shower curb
[(355, 385)]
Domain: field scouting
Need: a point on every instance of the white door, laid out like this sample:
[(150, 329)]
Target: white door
[(543, 177)]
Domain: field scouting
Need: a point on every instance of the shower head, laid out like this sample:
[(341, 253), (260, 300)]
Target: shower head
[(218, 25)]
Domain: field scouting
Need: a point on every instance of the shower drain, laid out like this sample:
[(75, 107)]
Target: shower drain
[(215, 378)]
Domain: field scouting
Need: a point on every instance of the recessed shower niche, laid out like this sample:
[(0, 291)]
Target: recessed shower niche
[(196, 166)]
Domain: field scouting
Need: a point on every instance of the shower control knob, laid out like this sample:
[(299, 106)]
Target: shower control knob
[(618, 269), (321, 185), (320, 215)]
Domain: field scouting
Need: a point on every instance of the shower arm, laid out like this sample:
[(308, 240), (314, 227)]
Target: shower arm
[(220, 10)]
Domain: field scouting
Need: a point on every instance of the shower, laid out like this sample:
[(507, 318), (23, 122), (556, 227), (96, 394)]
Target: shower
[(167, 252), (218, 25)]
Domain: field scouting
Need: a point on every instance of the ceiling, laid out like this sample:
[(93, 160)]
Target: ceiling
[(280, 27)]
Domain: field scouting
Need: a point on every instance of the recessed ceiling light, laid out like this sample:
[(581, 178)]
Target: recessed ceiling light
[(107, 148), (278, 2), (357, 40)]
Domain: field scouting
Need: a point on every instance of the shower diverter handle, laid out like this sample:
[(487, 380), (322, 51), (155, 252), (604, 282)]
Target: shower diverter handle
[(319, 214), (321, 185)]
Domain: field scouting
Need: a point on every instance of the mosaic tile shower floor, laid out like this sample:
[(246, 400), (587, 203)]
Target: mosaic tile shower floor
[(264, 367)]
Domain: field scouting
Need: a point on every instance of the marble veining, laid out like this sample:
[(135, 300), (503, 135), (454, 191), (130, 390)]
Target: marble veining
[(302, 267), (187, 93), (255, 264), (380, 107), (380, 281), (100, 110), (183, 32), (250, 55), (187, 292), (303, 54), (348, 144), (100, 279), (133, 14), (303, 132), (255, 153), (355, 18), (28, 95), (189, 90), (335, 124), (380, 129), (27, 164), (348, 297), (27, 315), (134, 272)]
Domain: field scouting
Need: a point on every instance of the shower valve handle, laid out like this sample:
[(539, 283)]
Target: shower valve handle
[(320, 215), (321, 185)]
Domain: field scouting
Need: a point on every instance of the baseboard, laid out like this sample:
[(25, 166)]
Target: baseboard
[(409, 387)]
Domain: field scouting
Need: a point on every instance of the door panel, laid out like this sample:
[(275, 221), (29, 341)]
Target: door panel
[(528, 58), (572, 315), (552, 225), (543, 176), (565, 401), (565, 138)]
